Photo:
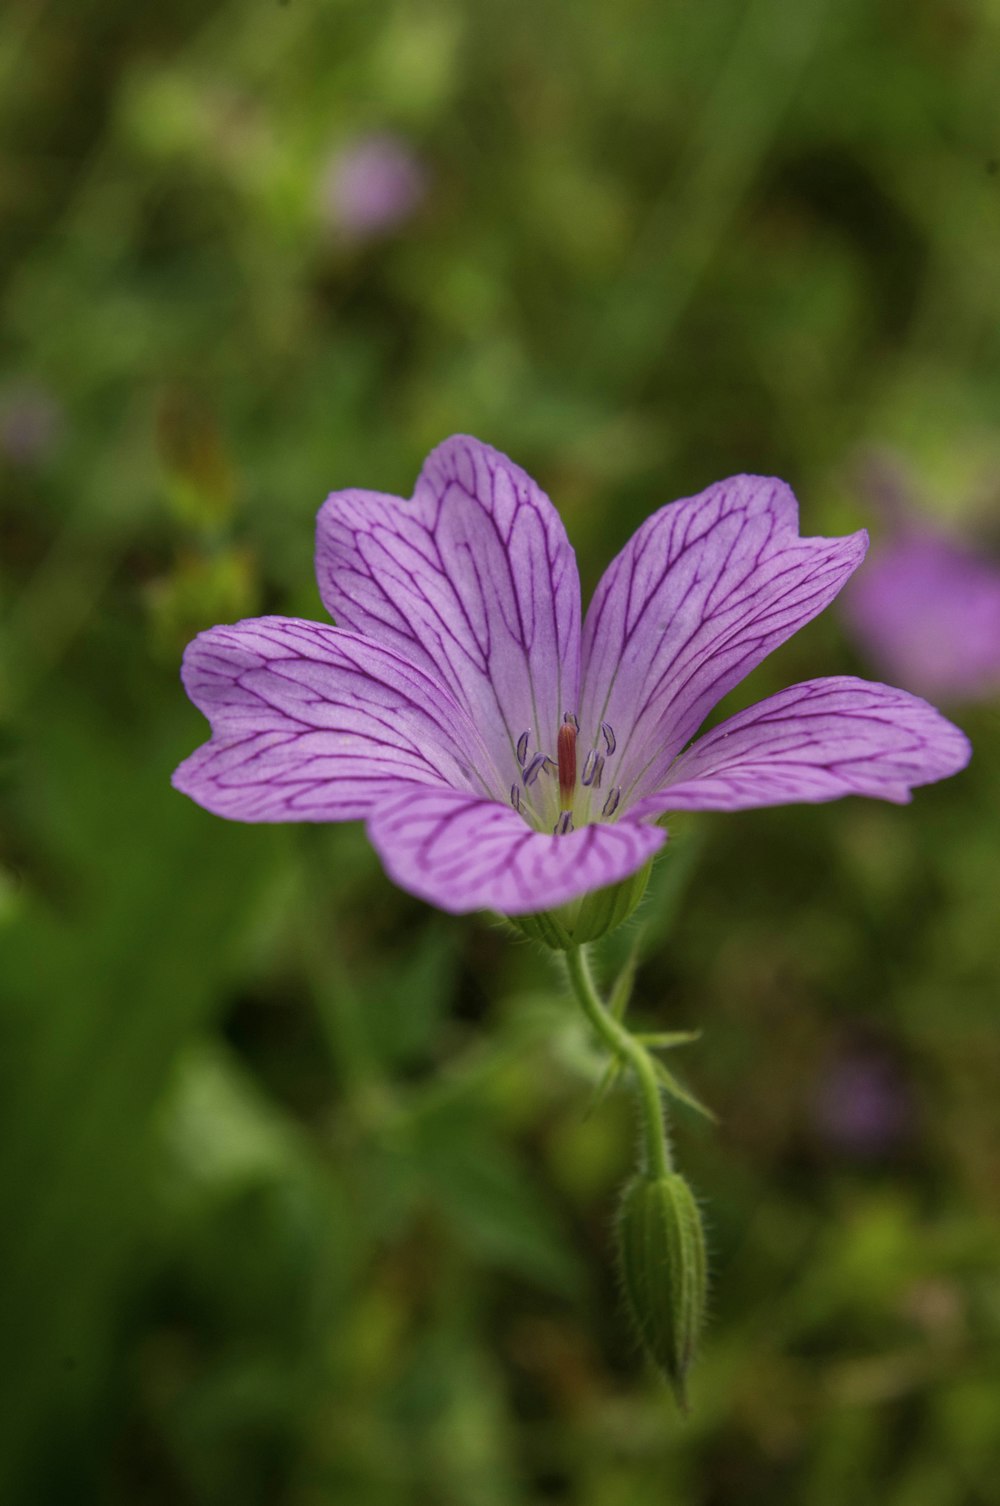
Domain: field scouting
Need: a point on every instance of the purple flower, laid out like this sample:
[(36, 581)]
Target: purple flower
[(503, 758), (372, 185), (30, 424), (861, 1106), (927, 609)]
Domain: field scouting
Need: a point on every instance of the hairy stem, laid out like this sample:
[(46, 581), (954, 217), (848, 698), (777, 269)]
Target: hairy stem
[(622, 1044)]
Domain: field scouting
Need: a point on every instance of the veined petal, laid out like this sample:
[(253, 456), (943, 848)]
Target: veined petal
[(310, 723), (463, 853), (474, 580), (814, 742), (703, 591)]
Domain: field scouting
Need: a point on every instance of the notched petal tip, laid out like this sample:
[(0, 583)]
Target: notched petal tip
[(700, 595), (310, 723), (474, 580), (818, 741)]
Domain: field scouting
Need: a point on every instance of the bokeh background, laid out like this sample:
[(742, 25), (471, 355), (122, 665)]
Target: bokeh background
[(303, 1203)]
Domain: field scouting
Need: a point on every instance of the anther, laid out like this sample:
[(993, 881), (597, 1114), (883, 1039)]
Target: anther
[(534, 768), (515, 797), (566, 754), (593, 767), (522, 747), (571, 719), (611, 804), (610, 740), (564, 825)]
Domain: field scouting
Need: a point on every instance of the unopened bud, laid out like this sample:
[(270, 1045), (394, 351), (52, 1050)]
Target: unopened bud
[(664, 1274)]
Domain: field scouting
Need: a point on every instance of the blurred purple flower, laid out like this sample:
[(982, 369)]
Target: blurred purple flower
[(30, 424), (503, 757), (372, 185), (862, 1107), (927, 609)]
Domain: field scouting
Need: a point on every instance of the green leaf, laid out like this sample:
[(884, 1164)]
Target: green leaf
[(491, 1199), (410, 997)]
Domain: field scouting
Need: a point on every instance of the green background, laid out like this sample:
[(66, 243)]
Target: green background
[(302, 1201)]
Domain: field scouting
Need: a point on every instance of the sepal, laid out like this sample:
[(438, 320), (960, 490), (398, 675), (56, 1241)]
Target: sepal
[(674, 1088), (585, 919)]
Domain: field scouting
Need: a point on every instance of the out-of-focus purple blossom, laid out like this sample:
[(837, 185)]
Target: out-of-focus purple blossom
[(373, 185), (506, 755), (862, 1107), (926, 606), (31, 423), (927, 610)]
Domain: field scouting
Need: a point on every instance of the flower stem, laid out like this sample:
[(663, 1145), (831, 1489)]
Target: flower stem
[(622, 1044)]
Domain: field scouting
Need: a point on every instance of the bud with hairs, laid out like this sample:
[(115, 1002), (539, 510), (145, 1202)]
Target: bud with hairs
[(664, 1271)]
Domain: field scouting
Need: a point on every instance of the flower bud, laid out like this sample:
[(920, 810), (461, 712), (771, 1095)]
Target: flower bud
[(662, 1251), (587, 918)]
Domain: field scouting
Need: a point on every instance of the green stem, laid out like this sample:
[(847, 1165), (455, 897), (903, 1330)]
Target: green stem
[(622, 1044)]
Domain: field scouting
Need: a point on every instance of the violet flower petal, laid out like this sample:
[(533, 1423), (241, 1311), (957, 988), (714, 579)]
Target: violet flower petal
[(310, 723), (814, 742), (463, 853), (705, 589), (474, 581)]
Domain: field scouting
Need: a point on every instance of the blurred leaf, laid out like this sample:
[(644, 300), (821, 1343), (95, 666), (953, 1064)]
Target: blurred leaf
[(409, 998), (197, 469), (491, 1201), (220, 1129), (610, 1076)]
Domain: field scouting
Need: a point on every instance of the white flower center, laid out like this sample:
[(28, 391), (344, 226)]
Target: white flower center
[(553, 794)]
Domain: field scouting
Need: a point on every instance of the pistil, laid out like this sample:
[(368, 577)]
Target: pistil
[(566, 759)]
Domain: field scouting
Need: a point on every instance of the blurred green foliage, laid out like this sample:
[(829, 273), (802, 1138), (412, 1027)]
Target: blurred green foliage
[(301, 1200)]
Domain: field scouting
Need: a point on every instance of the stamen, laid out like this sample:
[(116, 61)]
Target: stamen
[(522, 747), (564, 825), (515, 797), (534, 768), (566, 752), (593, 767), (611, 804), (569, 717), (609, 737)]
